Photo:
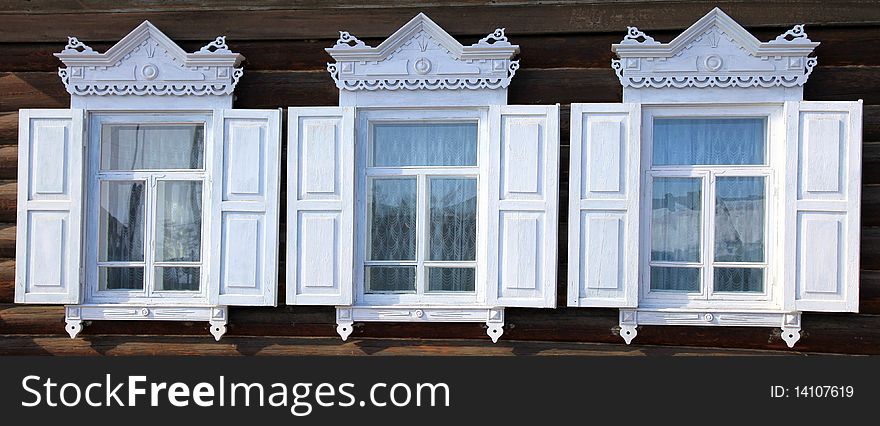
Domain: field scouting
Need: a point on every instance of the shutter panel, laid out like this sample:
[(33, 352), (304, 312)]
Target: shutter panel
[(603, 218), (320, 206), (245, 196), (823, 194), (49, 229), (523, 205)]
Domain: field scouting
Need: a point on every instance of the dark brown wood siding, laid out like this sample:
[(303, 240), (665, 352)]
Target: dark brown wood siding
[(565, 58)]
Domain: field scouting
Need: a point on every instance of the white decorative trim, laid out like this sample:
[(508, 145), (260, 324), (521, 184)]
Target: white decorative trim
[(73, 321), (496, 37), (73, 44), (422, 56), (215, 315), (633, 35), (789, 322), (714, 52), (346, 316), (146, 62)]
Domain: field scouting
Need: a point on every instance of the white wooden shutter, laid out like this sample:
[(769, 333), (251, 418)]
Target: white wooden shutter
[(523, 205), (244, 200), (823, 194), (603, 212), (320, 205), (49, 229)]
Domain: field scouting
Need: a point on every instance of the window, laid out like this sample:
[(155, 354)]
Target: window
[(708, 182), (149, 180), (421, 218), (714, 194)]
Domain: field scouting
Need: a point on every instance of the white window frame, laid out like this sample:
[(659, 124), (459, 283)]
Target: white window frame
[(366, 119), (771, 170), (94, 178)]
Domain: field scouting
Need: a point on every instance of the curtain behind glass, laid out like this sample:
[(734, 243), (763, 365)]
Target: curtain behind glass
[(708, 141), (428, 144), (152, 147)]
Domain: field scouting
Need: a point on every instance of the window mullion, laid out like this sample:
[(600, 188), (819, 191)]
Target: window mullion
[(150, 228), (709, 234), (421, 233)]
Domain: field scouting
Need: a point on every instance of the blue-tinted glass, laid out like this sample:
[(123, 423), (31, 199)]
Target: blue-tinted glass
[(712, 141), (739, 219), (675, 279), (675, 219), (740, 280), (425, 144)]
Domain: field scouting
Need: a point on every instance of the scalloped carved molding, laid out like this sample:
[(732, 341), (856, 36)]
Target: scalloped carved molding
[(147, 62), (714, 52), (422, 56)]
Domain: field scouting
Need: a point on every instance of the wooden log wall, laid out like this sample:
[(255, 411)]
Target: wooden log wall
[(565, 58)]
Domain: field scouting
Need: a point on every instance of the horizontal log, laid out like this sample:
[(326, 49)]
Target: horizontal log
[(7, 201), (536, 51), (9, 128), (329, 346), (271, 89), (7, 280), (7, 240), (606, 16), (829, 333), (8, 161)]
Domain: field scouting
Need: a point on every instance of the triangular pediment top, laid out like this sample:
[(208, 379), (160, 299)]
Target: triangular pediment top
[(791, 43), (715, 51), (493, 46), (422, 55), (147, 62)]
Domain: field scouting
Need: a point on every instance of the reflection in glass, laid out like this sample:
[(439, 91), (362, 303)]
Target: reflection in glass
[(703, 141), (675, 279), (177, 278), (740, 280), (451, 279), (152, 146), (120, 278), (453, 219), (675, 219), (739, 219), (400, 279), (392, 219), (121, 218), (424, 144), (178, 221)]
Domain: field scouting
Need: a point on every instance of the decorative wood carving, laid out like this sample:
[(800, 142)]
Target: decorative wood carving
[(789, 322), (216, 316), (714, 52), (147, 62), (421, 55), (346, 316)]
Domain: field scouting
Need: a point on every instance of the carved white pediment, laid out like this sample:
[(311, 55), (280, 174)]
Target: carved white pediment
[(714, 52), (421, 55), (147, 62)]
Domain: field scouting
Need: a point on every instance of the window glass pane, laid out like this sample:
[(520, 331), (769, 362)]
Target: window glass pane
[(675, 219), (739, 219), (120, 278), (453, 219), (675, 279), (691, 141), (748, 280), (178, 221), (121, 218), (152, 146), (425, 144), (451, 279), (177, 278), (400, 279), (392, 219)]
